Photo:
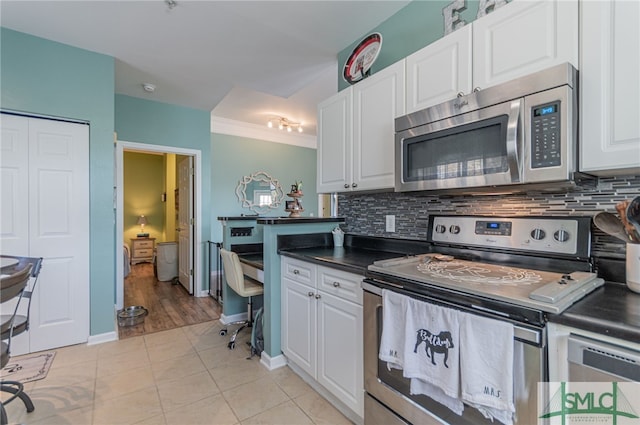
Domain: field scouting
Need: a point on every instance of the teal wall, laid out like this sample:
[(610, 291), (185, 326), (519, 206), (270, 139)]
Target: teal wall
[(418, 24), (146, 121), (233, 157), (38, 76)]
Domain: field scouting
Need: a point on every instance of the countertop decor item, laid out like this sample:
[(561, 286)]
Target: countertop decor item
[(358, 65), (294, 208)]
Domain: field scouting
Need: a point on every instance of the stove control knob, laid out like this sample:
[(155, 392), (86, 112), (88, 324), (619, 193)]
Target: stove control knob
[(561, 235), (440, 228), (455, 229), (538, 234)]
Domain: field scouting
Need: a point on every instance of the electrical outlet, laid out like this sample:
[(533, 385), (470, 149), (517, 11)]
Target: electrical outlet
[(390, 223)]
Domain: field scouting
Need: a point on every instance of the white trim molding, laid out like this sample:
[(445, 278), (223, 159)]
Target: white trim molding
[(272, 363), (261, 132), (102, 338)]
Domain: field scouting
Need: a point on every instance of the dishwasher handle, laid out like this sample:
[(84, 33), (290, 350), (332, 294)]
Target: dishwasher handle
[(605, 357)]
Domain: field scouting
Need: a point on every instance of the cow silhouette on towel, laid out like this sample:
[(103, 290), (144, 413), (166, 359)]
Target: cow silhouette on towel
[(440, 343)]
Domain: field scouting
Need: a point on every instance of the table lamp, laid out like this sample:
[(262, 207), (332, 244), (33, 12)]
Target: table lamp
[(142, 220)]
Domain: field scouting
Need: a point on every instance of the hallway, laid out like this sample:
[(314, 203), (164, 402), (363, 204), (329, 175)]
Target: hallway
[(169, 306)]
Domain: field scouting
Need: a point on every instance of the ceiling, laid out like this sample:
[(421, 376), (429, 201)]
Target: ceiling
[(243, 60)]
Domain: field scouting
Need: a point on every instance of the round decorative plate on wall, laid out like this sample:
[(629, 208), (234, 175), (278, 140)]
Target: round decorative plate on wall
[(359, 62)]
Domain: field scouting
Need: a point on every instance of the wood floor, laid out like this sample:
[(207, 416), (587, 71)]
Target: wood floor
[(169, 306)]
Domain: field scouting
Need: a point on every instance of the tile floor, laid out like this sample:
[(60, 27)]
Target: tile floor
[(181, 376)]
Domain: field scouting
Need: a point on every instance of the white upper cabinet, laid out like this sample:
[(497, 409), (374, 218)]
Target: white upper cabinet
[(377, 102), (356, 131), (517, 39), (610, 88), (439, 71), (523, 37), (334, 142)]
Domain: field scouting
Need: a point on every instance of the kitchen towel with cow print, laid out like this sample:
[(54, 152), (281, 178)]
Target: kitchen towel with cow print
[(486, 366), (432, 351), (394, 313)]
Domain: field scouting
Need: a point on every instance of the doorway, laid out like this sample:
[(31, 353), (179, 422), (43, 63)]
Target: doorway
[(194, 247)]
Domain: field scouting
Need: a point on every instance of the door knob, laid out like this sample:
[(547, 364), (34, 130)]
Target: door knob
[(336, 284)]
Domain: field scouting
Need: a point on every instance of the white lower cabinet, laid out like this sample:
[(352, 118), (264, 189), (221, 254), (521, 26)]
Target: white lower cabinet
[(322, 329)]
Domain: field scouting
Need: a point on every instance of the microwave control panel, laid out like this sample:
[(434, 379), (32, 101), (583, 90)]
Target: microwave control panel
[(545, 135)]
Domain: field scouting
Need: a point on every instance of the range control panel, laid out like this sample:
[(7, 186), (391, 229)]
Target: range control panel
[(549, 235)]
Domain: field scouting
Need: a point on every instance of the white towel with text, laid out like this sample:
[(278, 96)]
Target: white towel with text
[(486, 366), (394, 312)]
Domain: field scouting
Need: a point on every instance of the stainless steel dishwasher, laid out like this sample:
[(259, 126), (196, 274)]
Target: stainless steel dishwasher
[(591, 360)]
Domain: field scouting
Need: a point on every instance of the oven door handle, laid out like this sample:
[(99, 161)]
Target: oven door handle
[(514, 140), (533, 336)]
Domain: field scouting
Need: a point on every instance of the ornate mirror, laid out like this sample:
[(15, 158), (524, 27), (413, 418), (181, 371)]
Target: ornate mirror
[(260, 192)]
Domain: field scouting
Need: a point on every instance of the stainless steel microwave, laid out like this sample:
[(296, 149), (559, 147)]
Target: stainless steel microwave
[(522, 132)]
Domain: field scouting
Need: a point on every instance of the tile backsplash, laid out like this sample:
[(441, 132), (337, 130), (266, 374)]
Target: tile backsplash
[(365, 213)]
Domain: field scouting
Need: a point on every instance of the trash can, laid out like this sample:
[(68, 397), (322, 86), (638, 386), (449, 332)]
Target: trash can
[(167, 260)]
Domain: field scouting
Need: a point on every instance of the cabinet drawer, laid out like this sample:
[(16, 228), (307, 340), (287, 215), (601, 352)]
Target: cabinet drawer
[(143, 244), (299, 271), (341, 284), (143, 253)]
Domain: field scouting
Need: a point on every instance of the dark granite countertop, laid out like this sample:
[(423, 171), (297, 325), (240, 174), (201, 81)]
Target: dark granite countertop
[(254, 259), (612, 310), (240, 217), (284, 220), (356, 254), (299, 220), (350, 259)]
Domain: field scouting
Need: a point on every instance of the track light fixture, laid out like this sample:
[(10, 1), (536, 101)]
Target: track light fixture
[(284, 124)]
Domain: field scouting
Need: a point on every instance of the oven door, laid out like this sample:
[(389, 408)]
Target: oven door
[(475, 149), (389, 390)]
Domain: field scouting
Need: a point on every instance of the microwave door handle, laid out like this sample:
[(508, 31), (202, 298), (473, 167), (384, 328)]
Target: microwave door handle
[(513, 140)]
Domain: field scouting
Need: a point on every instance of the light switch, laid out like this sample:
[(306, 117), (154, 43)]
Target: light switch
[(390, 221)]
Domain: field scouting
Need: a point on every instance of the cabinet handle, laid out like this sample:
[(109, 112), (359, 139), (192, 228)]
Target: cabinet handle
[(336, 284), (354, 185), (346, 186), (318, 297), (460, 94), (476, 90), (296, 271), (310, 294)]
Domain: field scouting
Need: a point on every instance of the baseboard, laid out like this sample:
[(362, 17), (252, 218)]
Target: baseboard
[(102, 338), (225, 320), (272, 363)]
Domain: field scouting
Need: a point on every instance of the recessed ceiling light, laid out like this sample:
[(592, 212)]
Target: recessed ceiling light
[(148, 87)]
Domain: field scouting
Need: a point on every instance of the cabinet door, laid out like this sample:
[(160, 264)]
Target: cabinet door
[(299, 325), (522, 37), (334, 143), (340, 356), (438, 72), (377, 101), (610, 88)]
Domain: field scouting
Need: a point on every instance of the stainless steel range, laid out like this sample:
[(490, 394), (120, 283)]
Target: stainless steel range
[(510, 269)]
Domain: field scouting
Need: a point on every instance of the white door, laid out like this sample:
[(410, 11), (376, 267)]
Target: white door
[(55, 205), (185, 223)]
